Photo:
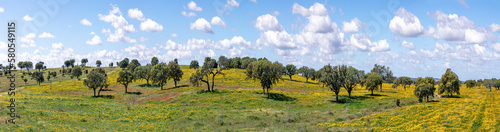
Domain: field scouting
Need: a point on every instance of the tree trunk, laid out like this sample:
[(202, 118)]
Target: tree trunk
[(94, 92), (208, 86), (267, 93), (263, 91), (349, 93), (337, 97), (307, 79), (175, 82), (490, 89), (147, 82), (404, 86), (290, 77), (161, 86), (99, 92), (380, 87), (126, 89), (372, 91), (213, 81), (427, 99)]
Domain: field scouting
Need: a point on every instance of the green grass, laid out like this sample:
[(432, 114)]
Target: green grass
[(237, 106)]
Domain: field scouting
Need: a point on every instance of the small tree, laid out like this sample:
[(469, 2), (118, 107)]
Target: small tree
[(194, 64), (224, 63), (144, 72), (38, 77), (84, 61), (96, 80), (424, 87), (449, 83), (76, 72), (72, 62), (125, 77), (28, 65), (306, 72), (20, 65), (470, 83), (497, 84), (98, 63), (479, 83), (290, 70), (384, 72), (330, 77), (266, 72), (488, 83), (403, 81), (39, 66), (373, 81), (136, 62), (175, 72), (48, 76), (67, 63), (160, 74), (349, 77), (124, 63), (111, 64), (209, 68), (154, 61)]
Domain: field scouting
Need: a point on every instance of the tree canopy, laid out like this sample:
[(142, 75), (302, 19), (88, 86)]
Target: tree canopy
[(266, 72), (449, 83)]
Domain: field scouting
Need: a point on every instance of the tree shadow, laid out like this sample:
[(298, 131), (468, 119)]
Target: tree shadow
[(375, 95), (356, 97), (136, 93), (447, 96), (180, 86), (340, 101), (105, 96), (280, 97), (149, 85), (302, 81), (107, 90), (430, 101)]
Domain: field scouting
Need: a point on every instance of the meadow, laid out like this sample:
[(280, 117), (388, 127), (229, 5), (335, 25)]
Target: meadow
[(238, 105)]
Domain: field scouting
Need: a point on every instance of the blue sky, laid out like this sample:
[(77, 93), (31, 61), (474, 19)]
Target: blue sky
[(413, 38)]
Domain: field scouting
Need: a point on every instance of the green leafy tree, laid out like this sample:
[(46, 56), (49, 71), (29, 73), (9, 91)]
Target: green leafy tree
[(384, 72), (125, 78), (349, 77), (175, 72), (39, 66), (470, 83), (160, 74), (330, 77), (124, 63), (131, 67), (236, 62), (154, 61), (424, 88), (290, 70), (38, 77), (449, 83), (72, 62), (245, 61), (497, 84), (28, 65), (144, 72), (373, 81), (209, 68), (402, 81), (479, 83), (84, 61), (67, 63), (76, 72), (194, 64), (96, 80), (98, 63), (306, 72), (111, 64), (20, 65), (266, 72), (488, 83), (224, 62), (136, 62)]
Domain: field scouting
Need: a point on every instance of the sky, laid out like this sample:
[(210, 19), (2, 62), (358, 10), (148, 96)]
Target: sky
[(413, 38)]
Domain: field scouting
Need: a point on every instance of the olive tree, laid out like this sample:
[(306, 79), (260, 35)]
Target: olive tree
[(224, 62), (470, 83), (154, 61), (175, 72), (194, 64), (373, 81), (125, 77), (266, 72), (349, 77), (84, 61), (160, 74), (124, 63), (383, 72), (306, 72), (144, 72), (96, 80), (72, 62), (38, 77), (449, 83), (98, 63), (403, 81), (424, 87), (290, 70), (330, 77), (209, 68), (488, 83), (76, 72), (39, 66)]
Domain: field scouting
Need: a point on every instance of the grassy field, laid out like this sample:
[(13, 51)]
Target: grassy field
[(238, 105)]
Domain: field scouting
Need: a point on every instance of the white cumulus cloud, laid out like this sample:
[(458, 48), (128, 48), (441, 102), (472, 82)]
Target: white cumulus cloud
[(46, 35), (28, 18), (136, 14), (86, 22), (408, 45), (217, 21), (151, 26), (406, 24), (267, 22), (202, 25), (96, 40), (351, 27), (192, 6)]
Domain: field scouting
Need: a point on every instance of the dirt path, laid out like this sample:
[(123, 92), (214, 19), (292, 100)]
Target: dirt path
[(4, 93)]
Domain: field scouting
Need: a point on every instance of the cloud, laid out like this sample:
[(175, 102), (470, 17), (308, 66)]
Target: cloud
[(267, 23), (143, 39), (255, 1), (28, 18), (234, 52), (27, 41), (190, 14), (494, 27), (141, 52), (192, 6), (354, 26), (408, 45), (86, 22), (279, 39), (202, 25), (1, 10), (92, 33), (120, 24), (475, 54), (96, 40), (363, 43), (458, 29), (173, 35), (46, 35), (3, 45), (232, 3), (275, 13), (496, 47), (151, 26), (235, 41), (406, 24), (208, 53), (199, 44), (136, 14), (463, 3), (217, 21)]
